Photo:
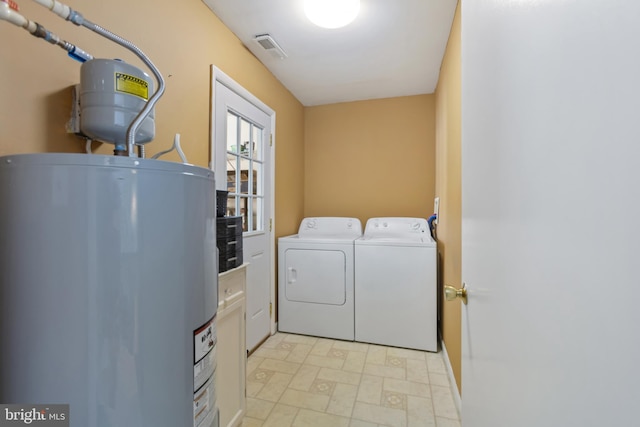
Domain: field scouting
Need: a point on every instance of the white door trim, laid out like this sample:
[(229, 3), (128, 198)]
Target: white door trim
[(217, 75)]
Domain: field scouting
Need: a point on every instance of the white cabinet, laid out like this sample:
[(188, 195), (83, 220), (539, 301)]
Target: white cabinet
[(232, 353)]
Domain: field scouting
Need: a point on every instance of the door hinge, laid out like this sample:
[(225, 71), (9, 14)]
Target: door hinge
[(270, 224), (270, 309), (270, 140)]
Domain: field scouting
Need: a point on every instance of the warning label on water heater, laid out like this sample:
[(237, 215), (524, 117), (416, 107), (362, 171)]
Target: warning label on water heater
[(132, 85), (204, 365), (204, 340), (204, 405)]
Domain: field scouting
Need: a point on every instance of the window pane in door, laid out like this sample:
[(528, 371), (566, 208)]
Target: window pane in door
[(257, 143), (232, 167), (258, 214), (253, 214), (244, 211), (245, 137), (244, 175), (231, 206), (256, 178), (232, 132)]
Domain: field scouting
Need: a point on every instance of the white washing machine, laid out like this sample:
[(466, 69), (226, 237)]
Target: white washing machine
[(316, 279), (395, 284)]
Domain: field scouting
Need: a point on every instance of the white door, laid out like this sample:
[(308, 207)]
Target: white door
[(551, 213), (242, 165)]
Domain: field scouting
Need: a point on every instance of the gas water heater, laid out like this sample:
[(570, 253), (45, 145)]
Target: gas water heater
[(108, 289)]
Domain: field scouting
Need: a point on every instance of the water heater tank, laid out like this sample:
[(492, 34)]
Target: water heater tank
[(108, 289), (112, 93)]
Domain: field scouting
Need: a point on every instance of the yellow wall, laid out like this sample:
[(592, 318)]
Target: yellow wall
[(183, 40), (448, 175), (371, 158)]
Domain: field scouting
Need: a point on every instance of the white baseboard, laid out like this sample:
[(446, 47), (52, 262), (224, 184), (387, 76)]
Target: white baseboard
[(457, 400)]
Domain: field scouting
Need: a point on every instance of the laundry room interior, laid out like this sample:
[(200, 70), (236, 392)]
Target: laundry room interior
[(388, 156)]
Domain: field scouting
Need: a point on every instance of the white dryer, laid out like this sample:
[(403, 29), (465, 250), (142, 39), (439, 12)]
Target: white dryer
[(395, 284), (316, 279)]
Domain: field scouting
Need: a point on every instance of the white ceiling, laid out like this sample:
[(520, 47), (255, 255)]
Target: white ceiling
[(393, 48)]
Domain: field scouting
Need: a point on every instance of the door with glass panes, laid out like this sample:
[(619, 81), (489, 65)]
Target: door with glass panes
[(242, 159)]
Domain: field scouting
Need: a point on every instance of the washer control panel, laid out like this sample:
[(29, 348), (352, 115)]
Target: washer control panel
[(396, 226)]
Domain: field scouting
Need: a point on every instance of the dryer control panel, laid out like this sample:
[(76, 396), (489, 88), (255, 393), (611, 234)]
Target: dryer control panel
[(330, 226)]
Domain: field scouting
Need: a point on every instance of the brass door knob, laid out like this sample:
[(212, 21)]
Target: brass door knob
[(451, 293)]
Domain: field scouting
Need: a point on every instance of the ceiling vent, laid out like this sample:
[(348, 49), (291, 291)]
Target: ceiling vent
[(269, 44)]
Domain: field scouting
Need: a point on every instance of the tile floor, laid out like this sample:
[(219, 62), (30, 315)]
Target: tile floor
[(301, 381)]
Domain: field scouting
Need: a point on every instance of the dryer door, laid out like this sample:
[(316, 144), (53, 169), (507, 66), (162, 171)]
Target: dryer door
[(315, 276)]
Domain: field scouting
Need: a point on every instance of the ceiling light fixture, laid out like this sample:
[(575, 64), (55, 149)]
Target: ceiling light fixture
[(331, 13)]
